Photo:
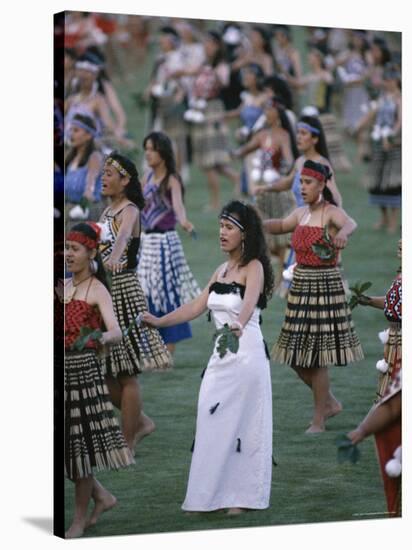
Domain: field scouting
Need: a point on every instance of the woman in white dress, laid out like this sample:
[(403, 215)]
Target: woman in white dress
[(232, 453)]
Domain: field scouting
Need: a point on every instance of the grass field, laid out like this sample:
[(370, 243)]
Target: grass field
[(308, 484)]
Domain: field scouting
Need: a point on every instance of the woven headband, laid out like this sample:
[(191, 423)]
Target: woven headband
[(86, 127), (87, 66), (313, 174), (118, 167), (308, 127), (232, 219), (81, 238)]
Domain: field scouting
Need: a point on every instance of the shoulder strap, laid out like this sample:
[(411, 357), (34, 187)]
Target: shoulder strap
[(88, 288)]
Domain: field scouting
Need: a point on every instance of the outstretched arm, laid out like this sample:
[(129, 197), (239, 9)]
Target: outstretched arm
[(129, 217), (178, 206), (184, 313), (282, 225)]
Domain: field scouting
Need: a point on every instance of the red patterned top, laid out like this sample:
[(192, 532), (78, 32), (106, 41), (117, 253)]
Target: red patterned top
[(393, 301), (303, 237), (78, 314)]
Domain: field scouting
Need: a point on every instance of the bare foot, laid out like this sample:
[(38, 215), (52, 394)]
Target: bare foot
[(147, 427), (104, 502), (333, 409), (379, 225), (235, 511), (315, 429), (75, 530)]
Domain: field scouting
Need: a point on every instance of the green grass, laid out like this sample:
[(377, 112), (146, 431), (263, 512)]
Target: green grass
[(308, 484)]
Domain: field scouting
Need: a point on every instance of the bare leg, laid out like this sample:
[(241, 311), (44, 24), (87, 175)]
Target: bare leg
[(171, 348), (135, 424), (383, 222), (393, 221), (333, 406), (378, 418), (320, 388), (213, 183), (103, 501), (83, 493), (115, 391), (233, 175)]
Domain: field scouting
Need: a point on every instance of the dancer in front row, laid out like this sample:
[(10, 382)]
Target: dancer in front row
[(231, 465), (142, 347), (93, 440), (318, 329)]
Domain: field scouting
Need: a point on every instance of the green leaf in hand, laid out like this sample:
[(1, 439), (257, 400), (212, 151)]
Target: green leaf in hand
[(85, 335), (347, 451), (227, 340), (357, 293), (323, 251), (84, 203)]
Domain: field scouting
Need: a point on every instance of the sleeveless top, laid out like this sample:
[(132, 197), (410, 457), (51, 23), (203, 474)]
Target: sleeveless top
[(78, 314), (158, 213), (206, 84), (303, 237), (272, 156), (393, 301), (235, 288), (128, 259)]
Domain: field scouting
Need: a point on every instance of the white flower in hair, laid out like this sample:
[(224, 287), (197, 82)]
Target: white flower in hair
[(270, 175), (104, 232), (384, 336), (382, 366), (288, 273)]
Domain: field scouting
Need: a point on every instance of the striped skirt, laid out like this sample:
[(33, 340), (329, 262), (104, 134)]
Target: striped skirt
[(143, 348), (318, 330), (210, 141), (385, 176), (93, 439), (390, 383)]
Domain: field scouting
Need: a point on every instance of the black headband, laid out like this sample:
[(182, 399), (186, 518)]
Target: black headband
[(227, 216)]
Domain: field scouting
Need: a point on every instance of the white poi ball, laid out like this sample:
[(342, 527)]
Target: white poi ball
[(188, 115), (157, 90), (393, 468), (77, 213), (384, 336), (256, 174), (398, 454), (201, 104), (288, 273), (198, 117), (256, 162), (270, 175), (104, 233), (382, 366)]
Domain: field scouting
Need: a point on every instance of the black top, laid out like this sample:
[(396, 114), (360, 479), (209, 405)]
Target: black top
[(235, 288)]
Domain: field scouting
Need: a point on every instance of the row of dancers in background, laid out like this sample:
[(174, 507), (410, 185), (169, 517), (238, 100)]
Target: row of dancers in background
[(235, 294)]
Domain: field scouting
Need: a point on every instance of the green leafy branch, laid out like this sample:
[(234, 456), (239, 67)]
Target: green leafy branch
[(84, 203), (347, 451), (325, 248), (86, 335), (227, 340), (358, 293)]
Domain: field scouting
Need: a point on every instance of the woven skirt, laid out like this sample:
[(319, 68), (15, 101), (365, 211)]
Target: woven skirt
[(210, 141), (142, 348), (390, 383), (385, 176), (318, 330), (93, 439), (276, 205), (166, 279), (334, 140)]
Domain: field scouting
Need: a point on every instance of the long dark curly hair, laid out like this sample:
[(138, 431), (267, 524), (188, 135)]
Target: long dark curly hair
[(254, 243)]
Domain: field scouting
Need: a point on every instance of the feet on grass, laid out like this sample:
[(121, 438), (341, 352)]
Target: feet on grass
[(75, 530), (315, 429), (104, 502), (332, 409), (147, 426), (235, 511)]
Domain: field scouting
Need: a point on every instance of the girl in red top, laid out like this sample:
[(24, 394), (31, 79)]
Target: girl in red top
[(93, 439), (318, 329)]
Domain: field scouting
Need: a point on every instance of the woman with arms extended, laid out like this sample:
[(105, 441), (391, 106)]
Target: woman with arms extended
[(318, 329), (93, 439), (231, 463)]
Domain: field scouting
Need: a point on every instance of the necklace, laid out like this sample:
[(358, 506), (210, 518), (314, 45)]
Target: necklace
[(228, 269), (70, 289)]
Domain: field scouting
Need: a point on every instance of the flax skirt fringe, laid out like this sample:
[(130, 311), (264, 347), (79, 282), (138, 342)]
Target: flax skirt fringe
[(143, 348), (318, 330), (93, 439)]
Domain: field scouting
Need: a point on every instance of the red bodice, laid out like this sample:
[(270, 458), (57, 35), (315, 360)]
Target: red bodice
[(78, 314), (303, 237), (393, 301)]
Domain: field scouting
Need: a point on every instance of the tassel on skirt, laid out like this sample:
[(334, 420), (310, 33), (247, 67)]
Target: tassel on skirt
[(143, 348), (390, 383), (93, 439), (318, 330)]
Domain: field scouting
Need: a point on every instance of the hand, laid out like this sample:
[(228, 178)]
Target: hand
[(260, 190), (187, 226), (356, 436), (340, 240), (364, 300), (237, 329), (88, 194), (150, 319), (114, 267)]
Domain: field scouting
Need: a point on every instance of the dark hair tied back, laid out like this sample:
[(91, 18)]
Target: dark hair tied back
[(133, 189), (88, 230)]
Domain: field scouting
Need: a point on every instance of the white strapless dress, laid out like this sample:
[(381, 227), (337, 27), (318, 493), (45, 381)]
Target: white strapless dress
[(232, 455)]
